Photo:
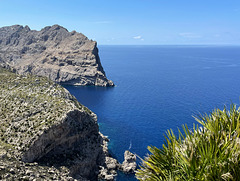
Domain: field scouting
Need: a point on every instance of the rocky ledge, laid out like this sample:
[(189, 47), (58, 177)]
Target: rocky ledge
[(129, 164), (46, 134), (62, 56)]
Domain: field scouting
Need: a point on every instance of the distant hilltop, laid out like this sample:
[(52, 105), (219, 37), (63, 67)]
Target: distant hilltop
[(54, 52)]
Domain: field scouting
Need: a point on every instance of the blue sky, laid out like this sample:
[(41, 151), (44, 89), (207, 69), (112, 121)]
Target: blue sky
[(137, 22)]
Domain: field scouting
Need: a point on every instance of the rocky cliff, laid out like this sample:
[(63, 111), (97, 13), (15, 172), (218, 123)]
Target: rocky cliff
[(64, 57), (45, 133)]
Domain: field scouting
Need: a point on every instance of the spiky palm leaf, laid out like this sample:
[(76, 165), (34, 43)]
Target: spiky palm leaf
[(211, 152)]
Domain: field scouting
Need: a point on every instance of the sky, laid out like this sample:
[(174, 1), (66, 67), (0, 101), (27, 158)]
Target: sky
[(133, 22)]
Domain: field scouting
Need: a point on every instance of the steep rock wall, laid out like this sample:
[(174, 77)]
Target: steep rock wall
[(42, 122), (64, 57)]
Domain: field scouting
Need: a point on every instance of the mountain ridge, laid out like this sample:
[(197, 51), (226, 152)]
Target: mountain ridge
[(54, 52)]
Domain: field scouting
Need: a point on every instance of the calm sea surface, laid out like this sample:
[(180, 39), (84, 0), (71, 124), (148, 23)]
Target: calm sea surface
[(159, 88)]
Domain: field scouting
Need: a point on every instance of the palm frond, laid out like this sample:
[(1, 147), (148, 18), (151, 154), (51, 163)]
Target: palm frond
[(208, 152)]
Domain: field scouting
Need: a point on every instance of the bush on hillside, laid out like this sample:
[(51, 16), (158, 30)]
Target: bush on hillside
[(205, 153)]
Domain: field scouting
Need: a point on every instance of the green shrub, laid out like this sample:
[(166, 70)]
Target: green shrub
[(206, 153)]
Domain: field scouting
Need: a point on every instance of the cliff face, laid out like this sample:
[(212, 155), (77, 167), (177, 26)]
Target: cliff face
[(45, 131), (64, 57)]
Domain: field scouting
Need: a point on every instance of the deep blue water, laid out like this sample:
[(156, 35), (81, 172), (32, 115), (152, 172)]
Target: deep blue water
[(158, 88)]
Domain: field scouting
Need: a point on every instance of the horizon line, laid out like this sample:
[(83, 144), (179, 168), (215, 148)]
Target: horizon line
[(168, 44)]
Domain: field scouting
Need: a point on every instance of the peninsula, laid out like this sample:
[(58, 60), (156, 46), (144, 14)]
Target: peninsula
[(54, 52)]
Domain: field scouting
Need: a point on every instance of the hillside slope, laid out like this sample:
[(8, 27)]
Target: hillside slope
[(46, 133)]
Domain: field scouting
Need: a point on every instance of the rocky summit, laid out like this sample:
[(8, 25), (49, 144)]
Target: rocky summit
[(46, 134), (54, 52)]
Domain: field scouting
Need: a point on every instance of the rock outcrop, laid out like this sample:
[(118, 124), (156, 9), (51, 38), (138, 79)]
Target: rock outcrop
[(129, 164), (62, 56), (46, 134)]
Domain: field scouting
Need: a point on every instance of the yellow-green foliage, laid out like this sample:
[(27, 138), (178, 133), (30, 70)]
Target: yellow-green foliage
[(207, 153)]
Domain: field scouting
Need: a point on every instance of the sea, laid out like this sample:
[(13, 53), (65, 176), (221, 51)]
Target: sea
[(159, 88)]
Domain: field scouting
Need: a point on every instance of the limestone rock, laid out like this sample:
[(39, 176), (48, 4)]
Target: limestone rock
[(46, 134), (129, 164), (109, 167), (62, 56)]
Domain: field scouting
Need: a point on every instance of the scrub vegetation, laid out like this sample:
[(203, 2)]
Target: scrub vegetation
[(28, 106)]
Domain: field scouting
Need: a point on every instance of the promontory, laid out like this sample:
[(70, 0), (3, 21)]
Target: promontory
[(46, 134), (54, 52)]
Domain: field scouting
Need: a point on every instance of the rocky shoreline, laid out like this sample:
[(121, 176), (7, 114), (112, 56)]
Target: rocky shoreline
[(54, 52), (47, 134)]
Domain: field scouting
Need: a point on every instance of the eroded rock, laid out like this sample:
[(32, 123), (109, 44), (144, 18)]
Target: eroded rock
[(109, 165), (62, 56), (46, 134), (129, 164)]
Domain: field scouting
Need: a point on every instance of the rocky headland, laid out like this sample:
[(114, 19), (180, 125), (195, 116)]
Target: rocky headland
[(54, 52), (46, 134)]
